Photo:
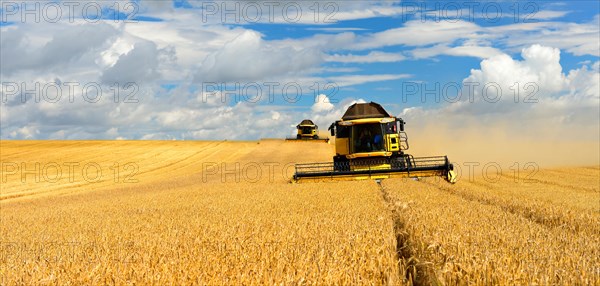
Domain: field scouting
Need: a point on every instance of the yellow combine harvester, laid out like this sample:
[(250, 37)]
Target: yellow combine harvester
[(370, 144), (307, 130)]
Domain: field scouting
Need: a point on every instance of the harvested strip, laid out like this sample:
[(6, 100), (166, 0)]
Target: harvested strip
[(475, 243)]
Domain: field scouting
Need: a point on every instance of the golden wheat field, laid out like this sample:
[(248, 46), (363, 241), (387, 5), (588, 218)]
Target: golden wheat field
[(224, 213)]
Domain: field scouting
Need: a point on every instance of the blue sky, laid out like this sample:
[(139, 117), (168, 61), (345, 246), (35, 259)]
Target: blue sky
[(171, 62)]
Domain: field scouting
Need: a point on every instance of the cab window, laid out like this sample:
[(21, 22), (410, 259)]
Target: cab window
[(342, 131)]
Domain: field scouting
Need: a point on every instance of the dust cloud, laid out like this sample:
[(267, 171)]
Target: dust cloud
[(507, 145)]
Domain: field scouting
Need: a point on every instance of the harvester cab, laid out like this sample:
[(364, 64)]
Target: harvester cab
[(307, 130), (371, 144)]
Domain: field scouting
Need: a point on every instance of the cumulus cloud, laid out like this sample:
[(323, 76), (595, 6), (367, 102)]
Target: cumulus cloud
[(167, 59), (563, 115), (36, 48), (137, 65), (322, 104), (248, 57), (27, 132), (503, 83), (323, 113)]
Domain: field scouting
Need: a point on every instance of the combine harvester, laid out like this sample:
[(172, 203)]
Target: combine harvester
[(307, 130), (370, 144)]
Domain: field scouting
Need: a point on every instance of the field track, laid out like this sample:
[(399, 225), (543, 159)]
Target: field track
[(222, 212)]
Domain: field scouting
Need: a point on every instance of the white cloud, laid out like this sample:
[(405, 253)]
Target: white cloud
[(137, 65), (341, 70), (322, 104), (549, 14), (372, 57), (26, 132), (332, 29), (153, 7), (248, 57), (349, 80), (182, 48), (417, 33), (467, 37), (110, 56), (323, 117), (275, 115), (383, 9), (465, 50), (500, 76), (37, 48), (301, 12), (565, 106), (576, 38), (185, 31)]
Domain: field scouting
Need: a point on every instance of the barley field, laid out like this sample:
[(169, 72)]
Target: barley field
[(224, 213)]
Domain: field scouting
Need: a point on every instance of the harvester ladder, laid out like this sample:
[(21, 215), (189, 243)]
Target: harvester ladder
[(403, 138)]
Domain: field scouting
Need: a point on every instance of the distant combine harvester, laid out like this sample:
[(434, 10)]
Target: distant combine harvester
[(307, 130)]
